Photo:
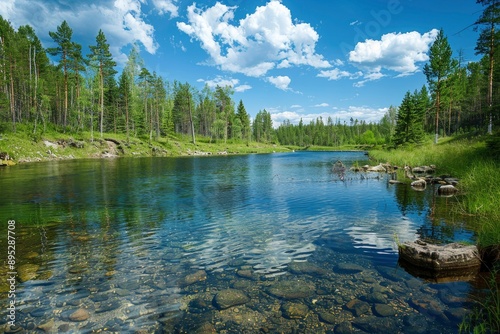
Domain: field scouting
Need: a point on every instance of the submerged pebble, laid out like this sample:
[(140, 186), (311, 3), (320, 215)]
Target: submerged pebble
[(79, 315)]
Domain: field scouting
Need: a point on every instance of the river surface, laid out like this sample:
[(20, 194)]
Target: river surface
[(274, 243)]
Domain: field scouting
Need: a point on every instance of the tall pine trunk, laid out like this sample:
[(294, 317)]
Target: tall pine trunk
[(490, 78), (101, 100), (12, 96), (438, 96)]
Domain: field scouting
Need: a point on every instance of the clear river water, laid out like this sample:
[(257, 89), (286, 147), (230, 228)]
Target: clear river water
[(274, 243)]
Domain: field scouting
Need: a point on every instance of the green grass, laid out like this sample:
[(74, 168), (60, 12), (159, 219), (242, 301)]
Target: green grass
[(485, 317), (25, 147)]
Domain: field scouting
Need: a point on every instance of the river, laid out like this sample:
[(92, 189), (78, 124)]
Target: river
[(229, 244)]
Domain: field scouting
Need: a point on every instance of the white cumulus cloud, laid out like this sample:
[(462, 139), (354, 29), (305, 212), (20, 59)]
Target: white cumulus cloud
[(337, 74), (397, 52), (223, 82), (280, 82), (369, 115), (124, 22), (263, 40), (371, 76), (242, 88), (166, 6)]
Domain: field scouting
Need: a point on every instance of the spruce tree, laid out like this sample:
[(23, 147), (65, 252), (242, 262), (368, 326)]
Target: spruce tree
[(410, 119), (242, 115)]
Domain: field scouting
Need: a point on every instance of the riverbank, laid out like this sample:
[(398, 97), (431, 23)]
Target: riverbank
[(21, 148), (468, 160)]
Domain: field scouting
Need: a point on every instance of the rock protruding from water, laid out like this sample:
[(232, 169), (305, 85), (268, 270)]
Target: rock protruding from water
[(229, 298), (377, 169), (450, 258), (424, 169), (419, 184), (447, 190), (338, 167)]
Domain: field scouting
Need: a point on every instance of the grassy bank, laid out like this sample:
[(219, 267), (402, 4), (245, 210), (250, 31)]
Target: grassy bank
[(23, 146), (467, 159), (472, 163)]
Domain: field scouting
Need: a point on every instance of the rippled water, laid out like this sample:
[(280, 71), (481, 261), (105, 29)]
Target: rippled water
[(148, 243)]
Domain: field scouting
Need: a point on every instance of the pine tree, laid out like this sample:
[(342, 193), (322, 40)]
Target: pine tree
[(125, 91), (146, 83), (225, 107), (102, 60), (487, 44), (133, 67), (424, 106), (206, 111), (159, 98), (437, 71), (77, 65), (183, 110), (64, 49)]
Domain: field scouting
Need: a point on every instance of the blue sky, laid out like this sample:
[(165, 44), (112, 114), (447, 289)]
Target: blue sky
[(294, 58)]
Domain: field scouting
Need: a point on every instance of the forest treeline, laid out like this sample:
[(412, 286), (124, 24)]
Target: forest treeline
[(85, 93), (62, 89)]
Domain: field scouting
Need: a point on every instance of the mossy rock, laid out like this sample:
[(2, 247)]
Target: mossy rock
[(27, 272), (7, 163)]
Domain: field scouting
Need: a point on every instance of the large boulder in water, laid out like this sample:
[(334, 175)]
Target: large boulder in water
[(419, 185), (440, 260)]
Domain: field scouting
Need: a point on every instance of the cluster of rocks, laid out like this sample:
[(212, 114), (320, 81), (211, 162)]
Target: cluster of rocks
[(348, 298), (313, 296), (202, 153), (197, 153), (380, 168), (420, 177)]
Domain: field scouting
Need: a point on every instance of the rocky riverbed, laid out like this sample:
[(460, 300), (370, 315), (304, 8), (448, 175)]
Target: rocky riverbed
[(314, 296)]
